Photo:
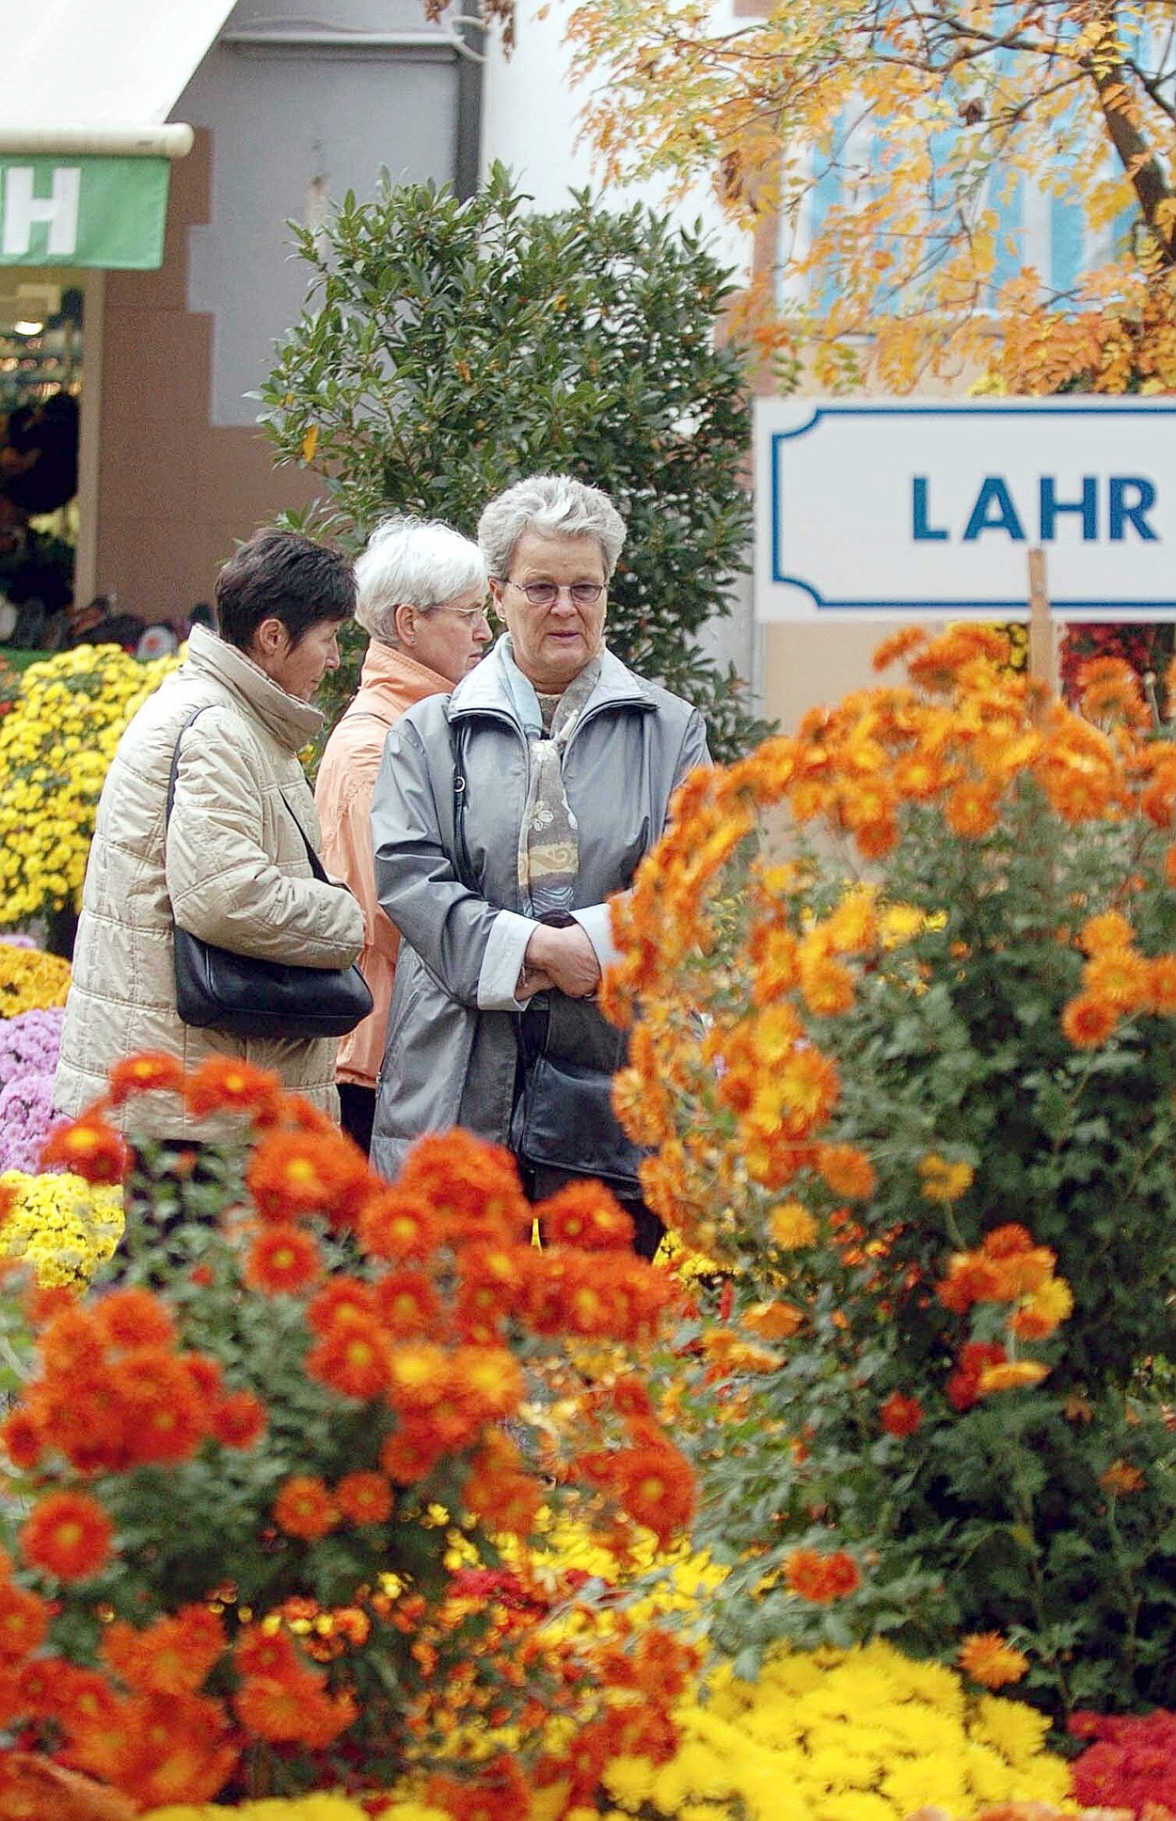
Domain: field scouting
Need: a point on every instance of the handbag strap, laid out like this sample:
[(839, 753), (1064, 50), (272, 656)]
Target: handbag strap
[(316, 865)]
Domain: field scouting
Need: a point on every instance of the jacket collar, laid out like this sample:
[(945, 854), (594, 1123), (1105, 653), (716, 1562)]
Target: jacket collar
[(291, 722), (486, 691), (387, 664)]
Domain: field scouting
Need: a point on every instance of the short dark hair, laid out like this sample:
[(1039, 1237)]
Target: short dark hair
[(285, 576)]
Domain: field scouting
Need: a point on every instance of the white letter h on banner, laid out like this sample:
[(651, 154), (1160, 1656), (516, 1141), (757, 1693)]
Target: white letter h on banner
[(59, 211)]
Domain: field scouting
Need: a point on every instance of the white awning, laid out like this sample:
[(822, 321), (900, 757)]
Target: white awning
[(100, 76)]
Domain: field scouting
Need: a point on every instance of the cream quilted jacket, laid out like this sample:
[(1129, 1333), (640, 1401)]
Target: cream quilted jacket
[(234, 871)]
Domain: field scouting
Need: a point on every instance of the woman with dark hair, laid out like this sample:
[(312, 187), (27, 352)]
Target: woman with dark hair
[(229, 863)]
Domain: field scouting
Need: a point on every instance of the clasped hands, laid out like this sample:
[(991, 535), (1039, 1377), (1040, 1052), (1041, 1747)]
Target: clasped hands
[(562, 958)]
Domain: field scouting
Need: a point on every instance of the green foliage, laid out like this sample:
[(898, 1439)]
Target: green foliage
[(452, 347)]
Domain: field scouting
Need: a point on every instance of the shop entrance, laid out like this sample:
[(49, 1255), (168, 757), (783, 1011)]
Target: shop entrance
[(41, 373)]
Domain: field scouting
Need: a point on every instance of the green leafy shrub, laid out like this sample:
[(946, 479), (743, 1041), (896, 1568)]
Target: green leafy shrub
[(451, 347)]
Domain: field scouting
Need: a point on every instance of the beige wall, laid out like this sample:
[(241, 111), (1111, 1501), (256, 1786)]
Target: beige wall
[(174, 492)]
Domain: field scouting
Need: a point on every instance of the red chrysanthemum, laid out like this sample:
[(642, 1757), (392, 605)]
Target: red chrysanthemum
[(134, 1318), (397, 1226), (283, 1259), (292, 1174), (351, 1358), (149, 1073), (821, 1579), (655, 1486), (89, 1148), (238, 1419), (364, 1498), (24, 1622), (408, 1303), (901, 1415), (304, 1508), (68, 1533), (587, 1215), (474, 1186), (226, 1084)]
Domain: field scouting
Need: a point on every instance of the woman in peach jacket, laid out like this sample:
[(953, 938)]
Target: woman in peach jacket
[(422, 598)]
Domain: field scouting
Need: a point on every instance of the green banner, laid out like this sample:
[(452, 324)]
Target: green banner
[(63, 211)]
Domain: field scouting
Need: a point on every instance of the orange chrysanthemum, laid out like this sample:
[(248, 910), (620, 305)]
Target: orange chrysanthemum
[(1087, 1022), (90, 1148), (342, 1301), (826, 985), (1120, 1477), (972, 810), (145, 1074), (847, 1171), (1161, 996), (293, 1711), (1118, 977), (1110, 929), (897, 645), (411, 1453), (474, 1186), (419, 1375), (821, 1579), (68, 1533), (262, 1652), (225, 1084), (21, 1439), (1011, 1375), (988, 1659), (773, 1321), (282, 1260), (364, 1498), (304, 1508)]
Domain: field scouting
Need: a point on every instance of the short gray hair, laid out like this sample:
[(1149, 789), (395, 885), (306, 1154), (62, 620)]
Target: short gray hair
[(415, 562), (551, 505)]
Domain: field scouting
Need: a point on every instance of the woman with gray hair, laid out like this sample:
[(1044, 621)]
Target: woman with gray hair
[(505, 815), (422, 598)]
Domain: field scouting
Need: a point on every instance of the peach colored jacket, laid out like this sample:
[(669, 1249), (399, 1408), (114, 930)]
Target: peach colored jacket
[(389, 683)]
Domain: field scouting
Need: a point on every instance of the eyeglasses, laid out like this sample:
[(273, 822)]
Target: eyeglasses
[(546, 594), (470, 615)]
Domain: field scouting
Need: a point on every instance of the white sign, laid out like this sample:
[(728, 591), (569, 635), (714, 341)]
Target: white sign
[(892, 510)]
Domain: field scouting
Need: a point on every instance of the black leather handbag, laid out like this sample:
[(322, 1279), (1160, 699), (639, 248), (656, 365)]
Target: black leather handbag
[(563, 1117), (249, 997)]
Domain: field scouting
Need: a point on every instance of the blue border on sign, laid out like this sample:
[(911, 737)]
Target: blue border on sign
[(1005, 605)]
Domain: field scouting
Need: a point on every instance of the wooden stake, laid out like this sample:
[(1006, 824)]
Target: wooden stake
[(1043, 645)]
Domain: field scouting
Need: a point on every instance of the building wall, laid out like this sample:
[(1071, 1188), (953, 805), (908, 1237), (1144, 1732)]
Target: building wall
[(174, 489), (282, 128)]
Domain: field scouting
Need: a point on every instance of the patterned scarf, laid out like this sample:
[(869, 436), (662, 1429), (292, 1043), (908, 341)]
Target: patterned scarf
[(549, 847)]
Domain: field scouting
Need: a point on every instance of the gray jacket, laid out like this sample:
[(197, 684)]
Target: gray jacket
[(451, 1052)]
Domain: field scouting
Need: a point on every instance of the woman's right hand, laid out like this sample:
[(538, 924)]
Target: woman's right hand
[(567, 958)]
